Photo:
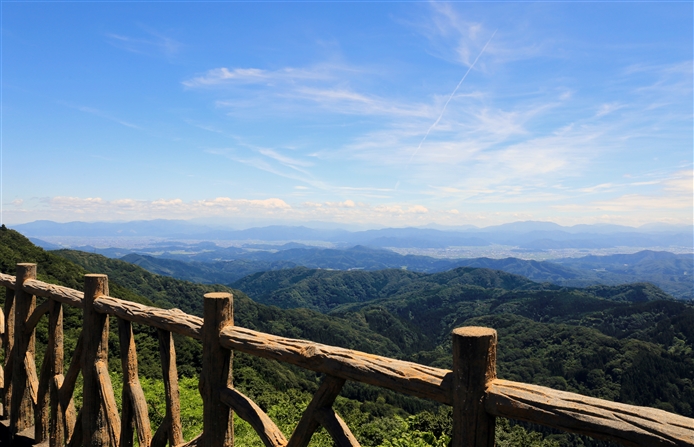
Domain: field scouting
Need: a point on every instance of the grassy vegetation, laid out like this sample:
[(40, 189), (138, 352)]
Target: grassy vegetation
[(625, 344)]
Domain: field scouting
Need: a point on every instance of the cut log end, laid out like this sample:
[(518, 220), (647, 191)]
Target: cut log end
[(217, 295), (474, 331)]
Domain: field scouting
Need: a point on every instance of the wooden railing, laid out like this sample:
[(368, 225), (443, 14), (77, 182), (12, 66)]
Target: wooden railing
[(45, 400)]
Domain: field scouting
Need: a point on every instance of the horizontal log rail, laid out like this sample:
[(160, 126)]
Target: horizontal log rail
[(471, 387)]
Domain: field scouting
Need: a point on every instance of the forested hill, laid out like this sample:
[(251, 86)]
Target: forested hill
[(628, 343), (325, 290), (672, 273)]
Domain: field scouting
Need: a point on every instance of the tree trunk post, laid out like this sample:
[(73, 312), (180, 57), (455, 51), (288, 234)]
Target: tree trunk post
[(134, 404), (56, 425), (95, 430), (474, 366), (22, 404), (218, 428), (167, 352), (8, 342)]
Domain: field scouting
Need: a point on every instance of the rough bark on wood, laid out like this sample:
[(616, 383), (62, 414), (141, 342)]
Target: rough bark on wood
[(108, 402), (172, 320), (251, 413), (55, 347), (405, 377), (62, 294), (57, 431), (68, 387), (35, 316), (474, 366), (7, 281), (134, 404), (161, 435), (167, 352), (336, 427), (324, 398), (625, 424), (127, 420), (95, 423), (22, 404), (218, 428), (76, 436), (2, 369), (32, 378), (8, 343), (43, 407)]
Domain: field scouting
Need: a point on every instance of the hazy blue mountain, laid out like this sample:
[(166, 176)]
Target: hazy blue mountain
[(219, 272), (532, 235), (156, 228), (44, 244), (672, 273)]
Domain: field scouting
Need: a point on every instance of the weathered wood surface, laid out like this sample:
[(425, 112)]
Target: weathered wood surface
[(405, 377), (161, 435), (56, 427), (336, 427), (134, 404), (35, 316), (8, 281), (76, 436), (73, 372), (251, 413), (59, 432), (172, 320), (167, 353), (23, 391), (625, 424), (8, 344), (108, 402), (2, 343), (474, 365), (100, 420), (217, 417), (62, 294), (308, 424), (43, 406)]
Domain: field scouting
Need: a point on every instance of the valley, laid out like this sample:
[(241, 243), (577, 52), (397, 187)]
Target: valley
[(607, 341)]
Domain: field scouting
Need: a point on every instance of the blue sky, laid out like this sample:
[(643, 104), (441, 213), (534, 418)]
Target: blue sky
[(381, 114)]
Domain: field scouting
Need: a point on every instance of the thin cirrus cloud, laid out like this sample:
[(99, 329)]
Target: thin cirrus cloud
[(552, 138), (101, 114), (153, 44), (223, 76), (65, 208)]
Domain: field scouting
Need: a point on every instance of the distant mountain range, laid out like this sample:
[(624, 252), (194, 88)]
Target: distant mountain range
[(281, 247), (673, 273), (526, 235)]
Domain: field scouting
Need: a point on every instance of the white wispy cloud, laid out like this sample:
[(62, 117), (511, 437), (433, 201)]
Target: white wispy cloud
[(65, 208), (153, 43), (101, 114), (221, 76)]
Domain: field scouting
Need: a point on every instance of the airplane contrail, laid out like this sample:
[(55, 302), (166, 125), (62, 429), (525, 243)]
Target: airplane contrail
[(449, 99)]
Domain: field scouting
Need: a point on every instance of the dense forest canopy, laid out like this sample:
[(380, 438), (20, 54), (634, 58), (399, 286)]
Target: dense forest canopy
[(629, 343)]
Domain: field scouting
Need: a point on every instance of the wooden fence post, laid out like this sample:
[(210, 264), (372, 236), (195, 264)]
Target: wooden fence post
[(133, 401), (8, 342), (218, 428), (172, 395), (56, 425), (100, 419), (474, 365), (23, 386)]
